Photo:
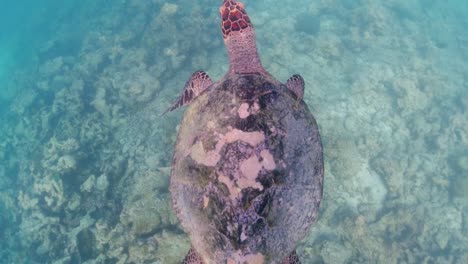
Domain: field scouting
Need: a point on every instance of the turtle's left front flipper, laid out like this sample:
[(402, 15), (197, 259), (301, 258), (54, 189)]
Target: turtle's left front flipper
[(193, 88)]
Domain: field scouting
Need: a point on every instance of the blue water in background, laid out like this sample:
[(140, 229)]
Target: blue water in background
[(85, 155), (25, 27)]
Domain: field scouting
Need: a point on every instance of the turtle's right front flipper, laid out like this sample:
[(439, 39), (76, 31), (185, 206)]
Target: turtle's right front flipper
[(193, 88), (296, 85)]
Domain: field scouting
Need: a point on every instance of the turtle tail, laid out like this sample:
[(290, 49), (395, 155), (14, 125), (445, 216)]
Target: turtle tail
[(192, 258), (292, 259)]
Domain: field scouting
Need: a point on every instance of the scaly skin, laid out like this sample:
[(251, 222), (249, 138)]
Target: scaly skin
[(239, 38), (234, 18)]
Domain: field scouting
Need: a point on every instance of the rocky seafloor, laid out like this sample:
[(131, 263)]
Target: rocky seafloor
[(85, 153)]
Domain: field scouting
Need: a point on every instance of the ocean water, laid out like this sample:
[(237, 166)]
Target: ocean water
[(85, 154)]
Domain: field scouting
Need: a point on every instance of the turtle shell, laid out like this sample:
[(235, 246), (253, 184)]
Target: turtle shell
[(247, 171)]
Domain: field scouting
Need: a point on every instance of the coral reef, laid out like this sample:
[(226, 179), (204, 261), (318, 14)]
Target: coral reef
[(85, 155)]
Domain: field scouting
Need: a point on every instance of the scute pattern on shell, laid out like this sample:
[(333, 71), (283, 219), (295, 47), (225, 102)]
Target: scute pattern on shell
[(262, 211)]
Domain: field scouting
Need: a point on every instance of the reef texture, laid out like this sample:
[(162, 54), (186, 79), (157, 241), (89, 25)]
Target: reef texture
[(85, 155)]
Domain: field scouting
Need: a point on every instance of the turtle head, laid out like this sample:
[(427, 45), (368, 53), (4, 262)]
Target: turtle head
[(234, 18), (239, 38)]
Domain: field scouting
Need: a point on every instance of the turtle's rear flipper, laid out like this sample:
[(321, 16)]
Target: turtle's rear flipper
[(193, 88), (296, 85), (192, 258), (291, 259)]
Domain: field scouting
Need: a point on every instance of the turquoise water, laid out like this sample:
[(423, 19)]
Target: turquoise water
[(85, 155)]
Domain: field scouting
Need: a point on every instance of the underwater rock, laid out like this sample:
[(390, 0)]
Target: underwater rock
[(113, 242), (169, 9), (391, 170), (41, 236), (459, 128), (330, 47), (134, 86), (86, 243), (173, 54), (409, 97), (51, 67), (22, 103), (2, 151), (148, 214), (162, 182), (88, 185), (74, 202), (99, 102), (66, 164), (67, 100), (462, 162), (170, 246), (442, 238), (138, 91), (102, 183), (51, 243), (141, 253), (449, 218), (146, 210), (401, 227), (26, 202), (353, 173), (58, 156), (66, 146), (95, 130), (164, 247), (332, 252), (52, 196), (152, 161), (345, 157)]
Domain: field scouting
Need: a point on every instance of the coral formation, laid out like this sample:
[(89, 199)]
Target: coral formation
[(85, 155)]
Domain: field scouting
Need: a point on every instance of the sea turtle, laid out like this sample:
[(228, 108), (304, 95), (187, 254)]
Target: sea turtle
[(247, 171)]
